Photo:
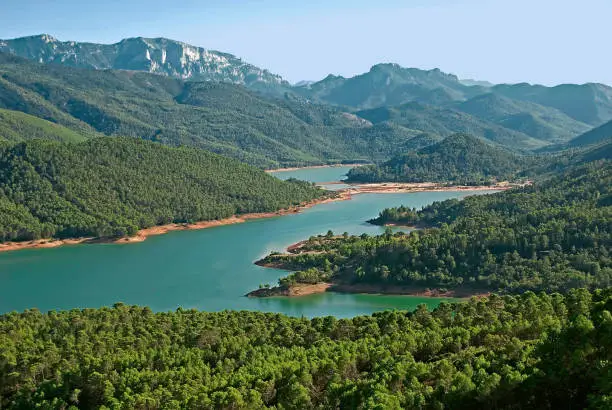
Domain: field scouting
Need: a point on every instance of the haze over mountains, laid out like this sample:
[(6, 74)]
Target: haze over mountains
[(371, 116)]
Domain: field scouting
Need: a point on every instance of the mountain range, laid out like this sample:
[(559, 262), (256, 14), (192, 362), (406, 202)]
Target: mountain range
[(224, 118), (178, 94), (391, 84), (153, 55)]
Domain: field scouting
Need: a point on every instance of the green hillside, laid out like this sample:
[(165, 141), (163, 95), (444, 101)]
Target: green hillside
[(552, 236), (594, 136), (446, 121), (299, 125), (460, 158), (223, 118), (115, 186), (392, 85), (587, 103), (17, 126), (537, 121)]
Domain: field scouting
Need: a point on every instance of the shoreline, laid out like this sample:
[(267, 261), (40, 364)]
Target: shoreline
[(407, 187), (304, 289), (342, 195), (314, 167), (144, 233)]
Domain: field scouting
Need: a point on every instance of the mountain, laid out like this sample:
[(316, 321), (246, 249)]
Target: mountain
[(596, 135), (547, 115), (389, 84), (384, 85), (460, 158), (540, 122), (588, 103), (224, 118), (447, 121), (114, 186), (517, 115), (154, 55)]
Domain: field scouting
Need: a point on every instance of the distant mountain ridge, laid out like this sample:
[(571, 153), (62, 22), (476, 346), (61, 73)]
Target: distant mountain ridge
[(389, 84), (385, 84), (548, 114), (519, 116), (590, 103), (153, 55)]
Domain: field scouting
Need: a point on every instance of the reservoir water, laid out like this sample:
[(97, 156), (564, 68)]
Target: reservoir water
[(210, 269)]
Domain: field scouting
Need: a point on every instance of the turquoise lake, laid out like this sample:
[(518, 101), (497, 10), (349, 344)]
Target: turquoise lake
[(210, 269)]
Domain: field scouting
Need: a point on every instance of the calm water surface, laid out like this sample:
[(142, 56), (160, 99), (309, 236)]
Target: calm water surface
[(317, 175), (209, 269)]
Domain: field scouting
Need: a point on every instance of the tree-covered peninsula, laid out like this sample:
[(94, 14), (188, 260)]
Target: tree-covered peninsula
[(110, 187), (459, 159), (552, 236)]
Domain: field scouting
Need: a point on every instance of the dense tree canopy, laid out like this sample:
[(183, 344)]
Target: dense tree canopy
[(114, 186), (552, 236), (445, 119), (459, 158), (18, 126), (546, 351)]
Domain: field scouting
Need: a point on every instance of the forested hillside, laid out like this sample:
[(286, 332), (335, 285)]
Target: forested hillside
[(600, 134), (552, 236), (114, 186), (447, 121), (557, 112), (589, 103), (223, 118), (297, 128), (538, 121), (460, 159), (543, 113), (528, 351), (17, 126)]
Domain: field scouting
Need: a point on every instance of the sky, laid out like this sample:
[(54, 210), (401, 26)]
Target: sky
[(503, 41)]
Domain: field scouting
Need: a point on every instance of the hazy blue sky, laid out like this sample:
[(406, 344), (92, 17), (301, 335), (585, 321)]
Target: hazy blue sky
[(539, 41)]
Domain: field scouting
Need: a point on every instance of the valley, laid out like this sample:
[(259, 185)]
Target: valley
[(182, 229), (191, 268)]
